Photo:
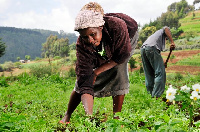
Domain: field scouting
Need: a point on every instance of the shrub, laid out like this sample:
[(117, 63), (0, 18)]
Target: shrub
[(37, 58), (136, 77), (132, 63), (26, 79), (3, 82), (57, 57), (17, 64), (71, 72), (8, 66), (43, 70), (72, 56), (178, 76)]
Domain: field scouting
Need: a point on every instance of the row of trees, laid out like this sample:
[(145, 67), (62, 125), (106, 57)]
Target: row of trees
[(55, 47), (175, 11)]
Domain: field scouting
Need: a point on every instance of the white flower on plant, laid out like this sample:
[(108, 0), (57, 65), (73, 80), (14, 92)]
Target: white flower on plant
[(195, 95), (170, 98), (170, 93), (196, 87), (185, 89)]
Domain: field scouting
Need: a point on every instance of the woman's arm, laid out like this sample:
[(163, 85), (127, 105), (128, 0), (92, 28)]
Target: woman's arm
[(104, 67)]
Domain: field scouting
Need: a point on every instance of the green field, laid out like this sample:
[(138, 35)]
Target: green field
[(35, 104), (190, 23), (191, 61)]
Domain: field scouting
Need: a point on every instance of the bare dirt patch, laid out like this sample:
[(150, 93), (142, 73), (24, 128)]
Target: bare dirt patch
[(14, 72), (183, 69), (179, 55)]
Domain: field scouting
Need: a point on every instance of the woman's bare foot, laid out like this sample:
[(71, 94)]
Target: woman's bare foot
[(65, 119)]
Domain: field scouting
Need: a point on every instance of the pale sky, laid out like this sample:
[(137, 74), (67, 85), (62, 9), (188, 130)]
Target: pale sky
[(59, 15)]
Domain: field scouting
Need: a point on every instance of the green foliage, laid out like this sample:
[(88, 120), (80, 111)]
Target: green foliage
[(72, 46), (72, 57), (27, 57), (18, 58), (57, 57), (3, 82), (29, 103), (2, 48), (194, 61), (132, 63), (20, 42), (178, 76), (43, 70), (170, 19), (189, 24), (146, 32), (136, 77), (17, 64), (8, 66), (190, 34), (176, 33), (71, 72), (183, 8), (55, 47), (37, 58)]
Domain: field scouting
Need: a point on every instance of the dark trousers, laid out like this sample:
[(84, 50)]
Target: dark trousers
[(154, 69)]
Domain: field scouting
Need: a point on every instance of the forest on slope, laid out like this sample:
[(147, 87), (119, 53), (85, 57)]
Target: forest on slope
[(20, 42)]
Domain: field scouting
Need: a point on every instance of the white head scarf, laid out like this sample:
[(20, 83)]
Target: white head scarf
[(88, 18)]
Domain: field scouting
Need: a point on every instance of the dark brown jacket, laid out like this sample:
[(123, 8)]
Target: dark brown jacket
[(116, 34)]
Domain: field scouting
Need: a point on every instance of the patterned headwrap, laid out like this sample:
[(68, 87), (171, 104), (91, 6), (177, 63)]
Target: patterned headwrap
[(91, 15)]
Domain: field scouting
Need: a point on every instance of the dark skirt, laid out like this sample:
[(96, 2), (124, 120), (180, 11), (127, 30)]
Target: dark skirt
[(114, 81)]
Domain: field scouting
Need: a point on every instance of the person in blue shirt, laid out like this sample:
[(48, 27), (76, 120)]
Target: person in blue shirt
[(153, 65)]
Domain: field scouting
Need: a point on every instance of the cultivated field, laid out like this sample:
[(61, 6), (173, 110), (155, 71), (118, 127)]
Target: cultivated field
[(174, 64)]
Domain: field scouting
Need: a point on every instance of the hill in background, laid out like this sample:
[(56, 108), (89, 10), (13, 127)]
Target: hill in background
[(191, 22), (21, 42)]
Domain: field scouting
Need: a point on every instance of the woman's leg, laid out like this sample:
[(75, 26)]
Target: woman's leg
[(74, 101), (87, 101), (117, 104)]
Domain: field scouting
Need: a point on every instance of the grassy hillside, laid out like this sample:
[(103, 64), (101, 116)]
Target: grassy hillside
[(190, 22)]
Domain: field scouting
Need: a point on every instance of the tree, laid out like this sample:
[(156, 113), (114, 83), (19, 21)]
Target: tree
[(2, 48), (27, 57), (176, 32), (145, 33), (172, 7), (196, 1), (18, 58), (132, 63), (55, 47)]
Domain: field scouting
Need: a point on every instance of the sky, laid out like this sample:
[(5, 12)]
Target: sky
[(59, 15)]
